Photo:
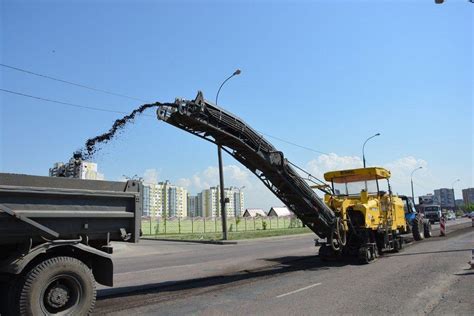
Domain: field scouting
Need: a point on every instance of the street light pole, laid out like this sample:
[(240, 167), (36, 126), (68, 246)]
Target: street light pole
[(363, 146), (221, 171), (452, 188), (411, 179)]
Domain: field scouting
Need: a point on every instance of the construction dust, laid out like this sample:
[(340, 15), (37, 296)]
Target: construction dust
[(91, 144)]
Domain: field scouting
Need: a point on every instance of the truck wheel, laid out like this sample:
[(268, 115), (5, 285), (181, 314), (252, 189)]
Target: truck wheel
[(418, 229), (58, 286), (427, 229)]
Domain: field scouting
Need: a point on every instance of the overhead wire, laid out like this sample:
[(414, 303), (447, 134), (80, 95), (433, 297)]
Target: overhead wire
[(73, 83), (64, 103), (114, 94)]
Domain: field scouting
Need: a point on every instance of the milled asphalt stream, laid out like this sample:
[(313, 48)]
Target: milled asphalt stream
[(284, 275)]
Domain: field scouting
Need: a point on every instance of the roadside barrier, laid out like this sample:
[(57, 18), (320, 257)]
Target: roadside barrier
[(442, 226), (472, 259)]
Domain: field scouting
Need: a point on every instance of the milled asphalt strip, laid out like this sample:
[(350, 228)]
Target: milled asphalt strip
[(299, 290)]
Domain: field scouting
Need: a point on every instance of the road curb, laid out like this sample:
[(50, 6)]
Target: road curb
[(231, 242), (212, 242)]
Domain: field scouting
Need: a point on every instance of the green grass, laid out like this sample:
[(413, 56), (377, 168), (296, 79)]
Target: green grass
[(234, 235)]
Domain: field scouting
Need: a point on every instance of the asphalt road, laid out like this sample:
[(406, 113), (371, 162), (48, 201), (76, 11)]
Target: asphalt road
[(284, 276)]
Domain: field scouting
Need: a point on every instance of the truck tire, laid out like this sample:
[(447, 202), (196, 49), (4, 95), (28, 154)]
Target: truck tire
[(418, 228), (427, 229), (58, 286)]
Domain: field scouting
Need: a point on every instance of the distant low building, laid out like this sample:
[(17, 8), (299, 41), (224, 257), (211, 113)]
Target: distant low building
[(279, 211), (254, 212)]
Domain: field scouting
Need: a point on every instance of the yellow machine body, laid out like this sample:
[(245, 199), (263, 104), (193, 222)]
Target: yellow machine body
[(377, 210)]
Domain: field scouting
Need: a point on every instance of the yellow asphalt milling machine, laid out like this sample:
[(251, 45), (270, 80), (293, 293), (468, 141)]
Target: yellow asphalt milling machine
[(359, 216), (371, 216)]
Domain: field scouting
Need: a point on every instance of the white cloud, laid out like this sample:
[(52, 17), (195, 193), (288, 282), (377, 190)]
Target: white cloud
[(256, 194), (233, 176), (150, 176), (324, 163), (400, 169), (183, 182), (259, 196)]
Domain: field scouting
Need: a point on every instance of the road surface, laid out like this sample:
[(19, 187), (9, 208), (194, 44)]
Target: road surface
[(281, 276)]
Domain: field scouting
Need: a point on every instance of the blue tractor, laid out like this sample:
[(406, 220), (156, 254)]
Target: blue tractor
[(417, 224)]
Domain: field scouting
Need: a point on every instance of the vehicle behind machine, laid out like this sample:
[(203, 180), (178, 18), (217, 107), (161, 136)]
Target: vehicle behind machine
[(432, 212)]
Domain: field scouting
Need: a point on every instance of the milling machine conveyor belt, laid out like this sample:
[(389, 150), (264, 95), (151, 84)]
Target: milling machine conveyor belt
[(208, 121)]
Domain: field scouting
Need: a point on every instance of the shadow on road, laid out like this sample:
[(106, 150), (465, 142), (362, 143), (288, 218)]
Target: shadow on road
[(283, 265), (427, 252)]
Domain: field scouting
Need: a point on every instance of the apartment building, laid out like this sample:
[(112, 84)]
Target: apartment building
[(76, 168), (445, 198), (208, 202), (468, 196), (165, 199)]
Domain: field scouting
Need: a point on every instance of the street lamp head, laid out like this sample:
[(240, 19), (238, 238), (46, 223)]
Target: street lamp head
[(378, 134), (237, 72)]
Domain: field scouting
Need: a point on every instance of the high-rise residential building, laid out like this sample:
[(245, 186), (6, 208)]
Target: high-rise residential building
[(199, 210), (167, 200), (468, 196), (239, 203), (194, 206), (76, 168), (210, 202), (88, 170), (145, 194), (445, 198)]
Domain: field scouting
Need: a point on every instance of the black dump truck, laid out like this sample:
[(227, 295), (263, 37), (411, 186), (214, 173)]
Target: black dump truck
[(55, 236)]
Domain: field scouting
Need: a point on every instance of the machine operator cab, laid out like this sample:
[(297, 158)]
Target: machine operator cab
[(364, 195), (360, 182)]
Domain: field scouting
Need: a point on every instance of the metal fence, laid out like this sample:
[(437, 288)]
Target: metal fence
[(200, 225)]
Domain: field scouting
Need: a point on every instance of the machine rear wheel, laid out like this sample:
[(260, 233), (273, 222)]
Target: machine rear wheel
[(364, 255), (418, 228), (427, 229)]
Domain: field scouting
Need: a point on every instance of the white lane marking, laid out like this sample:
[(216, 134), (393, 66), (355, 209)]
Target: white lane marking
[(299, 290)]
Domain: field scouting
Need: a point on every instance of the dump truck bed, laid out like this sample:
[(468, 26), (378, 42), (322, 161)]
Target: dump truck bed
[(39, 208)]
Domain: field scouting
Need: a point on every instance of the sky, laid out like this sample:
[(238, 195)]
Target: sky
[(325, 75)]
